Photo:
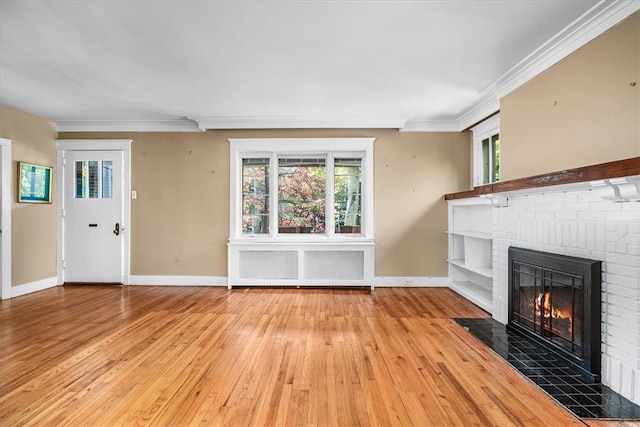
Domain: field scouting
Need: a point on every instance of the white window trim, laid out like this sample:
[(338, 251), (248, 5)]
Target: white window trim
[(272, 148), (482, 131)]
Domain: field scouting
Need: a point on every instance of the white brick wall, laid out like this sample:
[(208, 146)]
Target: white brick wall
[(584, 225)]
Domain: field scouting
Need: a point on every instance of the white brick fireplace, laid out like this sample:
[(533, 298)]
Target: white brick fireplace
[(577, 221)]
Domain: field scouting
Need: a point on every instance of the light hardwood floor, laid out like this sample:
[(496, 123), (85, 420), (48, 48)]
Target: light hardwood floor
[(172, 356)]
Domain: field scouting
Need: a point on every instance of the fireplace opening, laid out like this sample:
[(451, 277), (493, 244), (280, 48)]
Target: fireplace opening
[(550, 304), (555, 299)]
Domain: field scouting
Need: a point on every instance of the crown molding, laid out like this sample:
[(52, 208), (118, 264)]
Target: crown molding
[(425, 125), (591, 24), (486, 106), (299, 122), (174, 125)]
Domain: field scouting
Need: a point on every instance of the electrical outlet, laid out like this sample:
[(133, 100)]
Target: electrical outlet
[(134, 194)]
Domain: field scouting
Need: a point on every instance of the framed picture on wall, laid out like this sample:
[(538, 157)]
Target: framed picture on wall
[(34, 183)]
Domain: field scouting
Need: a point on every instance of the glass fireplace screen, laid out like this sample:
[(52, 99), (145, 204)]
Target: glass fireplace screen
[(549, 303)]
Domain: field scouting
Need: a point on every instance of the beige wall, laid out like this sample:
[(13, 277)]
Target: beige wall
[(412, 173), (33, 228), (584, 110), (180, 219)]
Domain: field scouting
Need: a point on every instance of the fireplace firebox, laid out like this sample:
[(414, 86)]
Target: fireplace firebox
[(555, 299)]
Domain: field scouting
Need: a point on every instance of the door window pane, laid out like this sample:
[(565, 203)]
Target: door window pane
[(255, 196), (301, 195), (82, 173), (94, 179), (348, 195), (107, 179)]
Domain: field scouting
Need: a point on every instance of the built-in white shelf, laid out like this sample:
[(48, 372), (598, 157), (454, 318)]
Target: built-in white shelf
[(475, 293), (471, 250), (482, 271), (474, 234)]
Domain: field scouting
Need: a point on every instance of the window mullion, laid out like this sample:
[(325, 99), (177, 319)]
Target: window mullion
[(273, 195), (329, 210)]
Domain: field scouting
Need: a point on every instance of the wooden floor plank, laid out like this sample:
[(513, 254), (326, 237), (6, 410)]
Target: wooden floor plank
[(112, 355)]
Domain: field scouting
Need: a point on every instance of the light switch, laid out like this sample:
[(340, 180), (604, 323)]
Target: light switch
[(134, 194)]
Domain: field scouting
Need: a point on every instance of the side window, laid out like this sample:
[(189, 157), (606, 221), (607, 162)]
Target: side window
[(348, 195), (486, 151), (255, 196)]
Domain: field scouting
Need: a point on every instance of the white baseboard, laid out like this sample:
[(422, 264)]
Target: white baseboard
[(382, 281), (410, 282), (178, 280), (36, 286)]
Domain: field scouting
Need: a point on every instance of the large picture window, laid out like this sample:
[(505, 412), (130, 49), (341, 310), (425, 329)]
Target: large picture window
[(309, 187)]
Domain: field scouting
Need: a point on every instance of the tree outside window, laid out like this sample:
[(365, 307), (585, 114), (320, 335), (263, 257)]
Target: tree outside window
[(301, 195)]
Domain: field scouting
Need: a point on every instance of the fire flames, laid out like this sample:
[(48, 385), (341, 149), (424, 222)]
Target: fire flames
[(544, 306)]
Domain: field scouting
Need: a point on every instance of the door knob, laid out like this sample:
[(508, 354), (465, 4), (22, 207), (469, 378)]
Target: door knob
[(116, 230)]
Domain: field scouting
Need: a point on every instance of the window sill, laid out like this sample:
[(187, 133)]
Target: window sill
[(303, 239)]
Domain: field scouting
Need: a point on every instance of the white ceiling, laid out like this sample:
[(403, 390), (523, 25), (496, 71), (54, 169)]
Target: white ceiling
[(238, 64)]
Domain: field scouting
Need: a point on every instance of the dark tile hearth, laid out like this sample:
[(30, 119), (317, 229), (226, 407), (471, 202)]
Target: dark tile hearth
[(551, 373)]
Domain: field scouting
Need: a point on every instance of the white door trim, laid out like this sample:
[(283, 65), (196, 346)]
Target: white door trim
[(124, 145), (5, 237)]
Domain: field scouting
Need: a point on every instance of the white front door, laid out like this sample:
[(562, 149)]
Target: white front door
[(93, 217)]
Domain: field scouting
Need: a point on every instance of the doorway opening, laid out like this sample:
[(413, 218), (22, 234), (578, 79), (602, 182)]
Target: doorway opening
[(5, 218)]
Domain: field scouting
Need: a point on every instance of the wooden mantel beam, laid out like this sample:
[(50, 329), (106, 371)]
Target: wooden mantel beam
[(609, 170)]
